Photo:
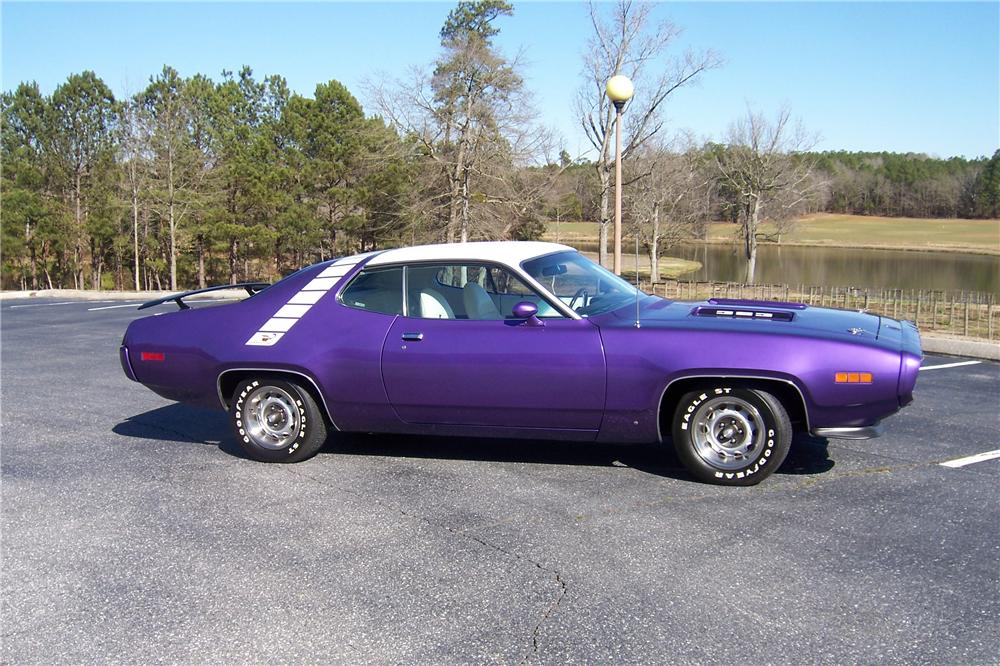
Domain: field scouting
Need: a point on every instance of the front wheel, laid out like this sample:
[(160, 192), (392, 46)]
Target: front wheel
[(276, 421), (731, 436)]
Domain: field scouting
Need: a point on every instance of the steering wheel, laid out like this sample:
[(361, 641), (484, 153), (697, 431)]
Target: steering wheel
[(581, 295)]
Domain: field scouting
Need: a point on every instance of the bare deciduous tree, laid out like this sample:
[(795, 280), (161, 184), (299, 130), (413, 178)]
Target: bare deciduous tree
[(629, 43), (472, 123), (670, 203), (765, 166), (177, 166), (133, 147)]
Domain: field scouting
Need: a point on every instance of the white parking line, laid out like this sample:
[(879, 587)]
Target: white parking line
[(948, 365), (42, 305), (969, 460), (112, 307)]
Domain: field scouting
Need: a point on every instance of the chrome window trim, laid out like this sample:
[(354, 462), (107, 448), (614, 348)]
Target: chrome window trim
[(339, 298), (222, 399), (545, 290), (540, 291)]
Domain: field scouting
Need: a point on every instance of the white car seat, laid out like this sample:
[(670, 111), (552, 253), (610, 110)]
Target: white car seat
[(434, 306), (478, 304)]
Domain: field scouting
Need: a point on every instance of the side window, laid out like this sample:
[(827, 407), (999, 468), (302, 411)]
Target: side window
[(467, 291), (504, 283), (376, 290)]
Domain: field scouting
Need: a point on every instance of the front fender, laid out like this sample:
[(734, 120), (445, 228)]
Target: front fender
[(642, 363)]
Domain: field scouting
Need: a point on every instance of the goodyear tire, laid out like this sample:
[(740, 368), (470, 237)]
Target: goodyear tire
[(731, 436), (276, 421)]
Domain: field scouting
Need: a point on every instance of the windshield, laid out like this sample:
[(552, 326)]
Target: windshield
[(584, 286)]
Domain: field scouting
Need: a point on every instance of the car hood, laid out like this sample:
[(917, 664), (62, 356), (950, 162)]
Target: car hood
[(752, 316)]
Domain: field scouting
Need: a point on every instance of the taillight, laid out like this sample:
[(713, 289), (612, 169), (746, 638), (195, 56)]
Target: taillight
[(151, 356)]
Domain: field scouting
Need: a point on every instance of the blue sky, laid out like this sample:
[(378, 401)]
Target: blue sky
[(921, 77)]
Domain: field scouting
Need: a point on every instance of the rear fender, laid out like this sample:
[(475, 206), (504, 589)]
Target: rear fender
[(228, 380)]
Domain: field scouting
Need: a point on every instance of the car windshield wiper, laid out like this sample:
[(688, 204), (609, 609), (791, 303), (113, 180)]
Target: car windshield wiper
[(251, 288)]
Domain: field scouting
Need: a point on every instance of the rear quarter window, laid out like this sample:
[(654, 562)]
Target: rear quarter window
[(377, 290)]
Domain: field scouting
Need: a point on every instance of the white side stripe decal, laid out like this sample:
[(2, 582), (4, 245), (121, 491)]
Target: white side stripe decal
[(293, 311), (306, 297), (335, 271), (263, 339), (278, 325), (281, 321), (320, 284)]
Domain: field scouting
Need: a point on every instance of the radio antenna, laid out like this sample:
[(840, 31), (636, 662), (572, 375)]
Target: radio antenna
[(637, 324)]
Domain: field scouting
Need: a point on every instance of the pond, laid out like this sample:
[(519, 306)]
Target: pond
[(844, 267)]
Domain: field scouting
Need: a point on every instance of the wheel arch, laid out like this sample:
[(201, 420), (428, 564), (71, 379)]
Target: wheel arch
[(786, 391), (229, 379)]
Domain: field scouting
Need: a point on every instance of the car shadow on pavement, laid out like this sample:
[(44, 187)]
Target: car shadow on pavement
[(808, 455), (193, 425), (651, 459), (182, 423)]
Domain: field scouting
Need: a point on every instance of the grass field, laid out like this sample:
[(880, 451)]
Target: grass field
[(670, 267), (904, 233), (573, 233)]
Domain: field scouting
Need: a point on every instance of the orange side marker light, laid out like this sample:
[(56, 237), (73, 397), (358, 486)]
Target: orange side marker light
[(853, 378)]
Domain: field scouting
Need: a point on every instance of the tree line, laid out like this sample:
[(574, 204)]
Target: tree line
[(193, 181), (190, 180), (910, 185)]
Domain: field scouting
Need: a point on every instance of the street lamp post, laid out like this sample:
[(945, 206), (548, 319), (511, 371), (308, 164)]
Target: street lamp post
[(619, 90)]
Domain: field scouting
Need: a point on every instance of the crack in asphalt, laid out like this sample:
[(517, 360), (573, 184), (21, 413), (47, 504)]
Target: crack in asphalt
[(553, 607), (516, 557)]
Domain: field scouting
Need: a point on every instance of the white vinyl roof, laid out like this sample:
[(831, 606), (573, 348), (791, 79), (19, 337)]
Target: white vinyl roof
[(509, 253)]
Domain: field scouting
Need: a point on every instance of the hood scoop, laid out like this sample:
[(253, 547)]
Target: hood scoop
[(731, 308), (746, 302)]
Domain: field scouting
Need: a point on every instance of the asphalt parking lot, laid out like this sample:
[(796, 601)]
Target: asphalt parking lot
[(134, 531)]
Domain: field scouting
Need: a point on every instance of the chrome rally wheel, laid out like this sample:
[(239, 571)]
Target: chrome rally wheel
[(276, 420), (727, 431), (271, 417), (731, 435)]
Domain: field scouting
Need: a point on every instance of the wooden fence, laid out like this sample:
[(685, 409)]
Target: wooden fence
[(961, 313)]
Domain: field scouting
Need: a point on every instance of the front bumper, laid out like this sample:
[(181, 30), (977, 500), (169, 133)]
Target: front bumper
[(862, 432)]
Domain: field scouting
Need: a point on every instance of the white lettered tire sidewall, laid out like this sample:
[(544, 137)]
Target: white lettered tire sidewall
[(311, 433), (763, 461)]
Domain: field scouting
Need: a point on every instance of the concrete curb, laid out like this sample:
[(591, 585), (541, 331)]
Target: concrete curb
[(86, 295), (140, 296), (961, 347)]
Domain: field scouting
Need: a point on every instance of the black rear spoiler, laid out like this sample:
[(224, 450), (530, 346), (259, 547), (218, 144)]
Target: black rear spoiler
[(251, 287)]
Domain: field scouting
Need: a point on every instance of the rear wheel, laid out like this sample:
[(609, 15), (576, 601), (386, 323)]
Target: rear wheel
[(731, 436), (276, 421)]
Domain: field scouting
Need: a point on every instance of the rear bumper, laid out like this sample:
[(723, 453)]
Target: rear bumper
[(126, 363), (861, 432)]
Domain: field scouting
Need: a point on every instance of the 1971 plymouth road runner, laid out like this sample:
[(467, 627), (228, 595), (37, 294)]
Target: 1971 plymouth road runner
[(523, 339)]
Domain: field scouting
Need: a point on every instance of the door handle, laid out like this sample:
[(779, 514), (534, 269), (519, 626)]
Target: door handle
[(413, 337)]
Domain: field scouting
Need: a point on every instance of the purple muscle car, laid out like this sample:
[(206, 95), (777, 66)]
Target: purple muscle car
[(524, 340)]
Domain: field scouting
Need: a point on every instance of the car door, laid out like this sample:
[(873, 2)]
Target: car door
[(452, 358)]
